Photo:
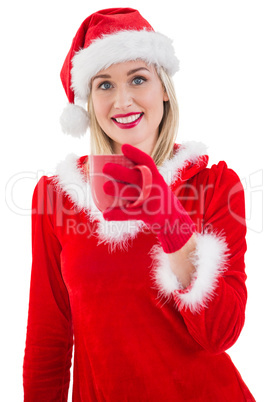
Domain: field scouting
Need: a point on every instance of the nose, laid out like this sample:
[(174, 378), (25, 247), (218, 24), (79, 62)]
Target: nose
[(123, 98)]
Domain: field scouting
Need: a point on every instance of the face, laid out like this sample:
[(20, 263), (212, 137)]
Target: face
[(128, 103)]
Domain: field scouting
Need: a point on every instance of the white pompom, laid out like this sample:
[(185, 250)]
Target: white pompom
[(74, 120)]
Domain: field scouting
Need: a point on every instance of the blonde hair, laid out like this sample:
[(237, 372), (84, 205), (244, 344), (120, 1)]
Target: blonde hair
[(102, 144)]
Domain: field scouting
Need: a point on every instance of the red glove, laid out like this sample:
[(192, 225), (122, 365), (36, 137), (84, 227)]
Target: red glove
[(161, 211)]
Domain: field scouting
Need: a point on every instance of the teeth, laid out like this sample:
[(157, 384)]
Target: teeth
[(129, 119)]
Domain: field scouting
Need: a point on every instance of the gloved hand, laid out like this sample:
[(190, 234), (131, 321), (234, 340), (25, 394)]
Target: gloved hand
[(161, 211)]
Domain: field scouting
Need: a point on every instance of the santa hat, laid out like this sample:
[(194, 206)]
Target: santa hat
[(108, 37)]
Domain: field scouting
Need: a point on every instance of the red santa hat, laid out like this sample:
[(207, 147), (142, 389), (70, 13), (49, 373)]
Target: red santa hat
[(108, 37)]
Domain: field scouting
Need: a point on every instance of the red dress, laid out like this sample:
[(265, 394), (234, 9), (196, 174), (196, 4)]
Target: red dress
[(107, 289)]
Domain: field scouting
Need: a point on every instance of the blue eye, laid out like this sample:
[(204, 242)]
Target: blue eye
[(105, 85), (138, 80)]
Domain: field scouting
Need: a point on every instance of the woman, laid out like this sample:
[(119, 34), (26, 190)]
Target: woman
[(153, 295)]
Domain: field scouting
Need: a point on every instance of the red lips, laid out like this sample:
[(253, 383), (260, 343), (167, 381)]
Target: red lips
[(124, 115), (127, 125)]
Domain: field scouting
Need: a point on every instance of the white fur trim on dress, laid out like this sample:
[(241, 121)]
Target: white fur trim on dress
[(210, 261), (71, 181), (189, 151), (152, 47)]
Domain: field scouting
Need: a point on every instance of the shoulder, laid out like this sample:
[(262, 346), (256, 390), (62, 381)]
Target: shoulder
[(44, 196), (223, 194), (68, 182), (223, 173), (220, 177)]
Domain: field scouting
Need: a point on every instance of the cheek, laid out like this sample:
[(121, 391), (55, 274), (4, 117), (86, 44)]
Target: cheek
[(155, 106), (100, 108), (153, 99)]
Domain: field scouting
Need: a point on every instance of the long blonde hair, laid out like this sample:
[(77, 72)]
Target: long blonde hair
[(102, 144)]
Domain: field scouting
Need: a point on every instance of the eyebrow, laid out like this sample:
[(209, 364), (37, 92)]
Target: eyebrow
[(101, 76), (128, 73), (136, 69)]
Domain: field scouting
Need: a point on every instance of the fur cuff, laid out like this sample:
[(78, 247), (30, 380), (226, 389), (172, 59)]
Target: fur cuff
[(209, 259)]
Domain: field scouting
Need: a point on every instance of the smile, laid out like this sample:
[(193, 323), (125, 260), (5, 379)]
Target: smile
[(127, 121)]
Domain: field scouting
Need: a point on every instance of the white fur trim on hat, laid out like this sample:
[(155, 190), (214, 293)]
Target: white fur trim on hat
[(152, 47), (74, 120), (209, 259)]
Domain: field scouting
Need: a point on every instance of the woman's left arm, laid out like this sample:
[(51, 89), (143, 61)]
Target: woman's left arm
[(181, 264), (213, 303)]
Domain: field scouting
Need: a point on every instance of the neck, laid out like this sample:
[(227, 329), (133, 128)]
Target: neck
[(145, 147)]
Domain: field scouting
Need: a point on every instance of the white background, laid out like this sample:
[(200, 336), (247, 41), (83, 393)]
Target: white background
[(222, 90)]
